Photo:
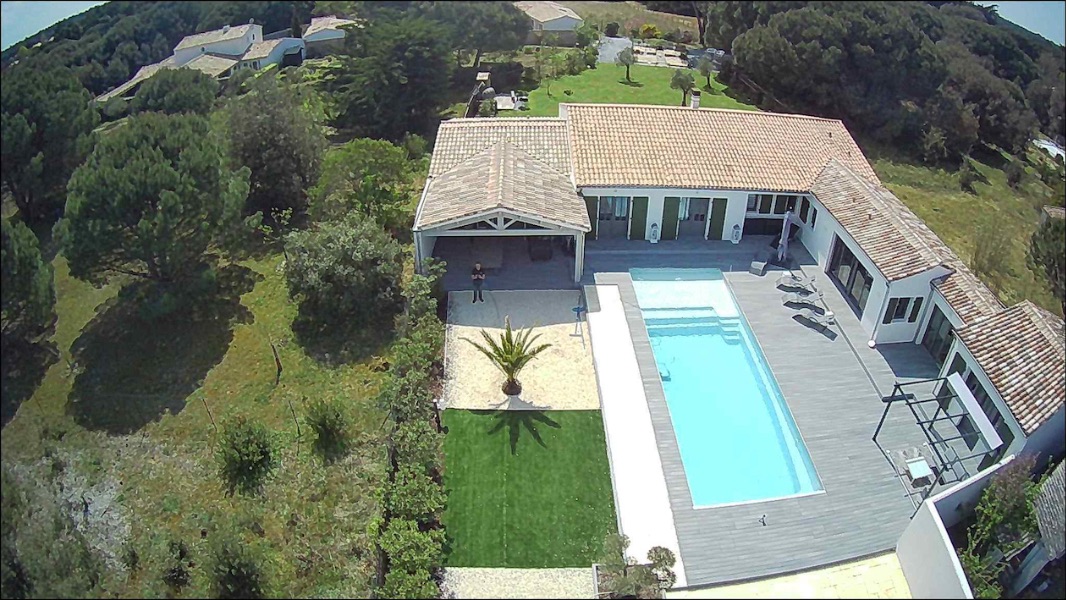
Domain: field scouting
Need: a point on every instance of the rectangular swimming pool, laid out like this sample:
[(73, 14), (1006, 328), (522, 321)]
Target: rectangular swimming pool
[(738, 440)]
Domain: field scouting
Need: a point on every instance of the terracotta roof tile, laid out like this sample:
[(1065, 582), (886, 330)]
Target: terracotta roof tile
[(1050, 508), (543, 138), (1022, 351), (878, 221), (679, 147), (502, 177)]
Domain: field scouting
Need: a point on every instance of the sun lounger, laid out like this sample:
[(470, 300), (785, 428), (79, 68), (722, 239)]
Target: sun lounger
[(800, 281), (810, 300), (823, 320)]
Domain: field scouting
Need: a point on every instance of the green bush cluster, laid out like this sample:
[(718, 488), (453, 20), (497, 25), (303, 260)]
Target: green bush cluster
[(408, 533), (246, 454), (330, 423)]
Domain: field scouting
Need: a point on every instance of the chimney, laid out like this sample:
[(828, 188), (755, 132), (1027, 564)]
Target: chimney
[(695, 102)]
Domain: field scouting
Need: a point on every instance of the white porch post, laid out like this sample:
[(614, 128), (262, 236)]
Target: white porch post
[(579, 256), (418, 253)]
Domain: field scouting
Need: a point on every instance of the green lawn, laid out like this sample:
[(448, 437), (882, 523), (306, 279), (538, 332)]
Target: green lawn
[(607, 84), (934, 195), (526, 489)]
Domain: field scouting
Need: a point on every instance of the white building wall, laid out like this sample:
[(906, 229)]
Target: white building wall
[(278, 52), (560, 24), (734, 214), (928, 559), (915, 286)]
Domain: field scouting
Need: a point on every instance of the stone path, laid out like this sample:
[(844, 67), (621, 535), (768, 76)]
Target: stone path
[(469, 582)]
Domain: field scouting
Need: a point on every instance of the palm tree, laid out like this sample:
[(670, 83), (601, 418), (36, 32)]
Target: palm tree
[(511, 353), (683, 80)]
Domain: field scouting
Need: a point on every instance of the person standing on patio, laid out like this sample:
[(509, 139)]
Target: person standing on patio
[(477, 276)]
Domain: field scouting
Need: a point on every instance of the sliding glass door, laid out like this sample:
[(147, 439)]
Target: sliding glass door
[(937, 338), (853, 278)]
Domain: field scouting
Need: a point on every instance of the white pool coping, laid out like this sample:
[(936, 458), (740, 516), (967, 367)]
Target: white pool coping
[(640, 495)]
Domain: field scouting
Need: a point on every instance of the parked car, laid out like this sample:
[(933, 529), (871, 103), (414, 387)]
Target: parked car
[(540, 247)]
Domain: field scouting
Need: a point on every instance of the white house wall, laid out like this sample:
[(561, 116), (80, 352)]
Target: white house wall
[(560, 24), (1020, 442), (735, 207), (915, 286), (928, 559)]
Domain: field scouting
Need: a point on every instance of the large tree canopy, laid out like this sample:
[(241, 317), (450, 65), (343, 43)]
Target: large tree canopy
[(47, 120), (149, 201), (394, 78), (27, 295), (273, 134), (478, 26), (1045, 252), (364, 175), (174, 91)]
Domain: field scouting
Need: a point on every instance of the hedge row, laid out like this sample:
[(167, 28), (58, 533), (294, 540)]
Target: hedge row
[(408, 532)]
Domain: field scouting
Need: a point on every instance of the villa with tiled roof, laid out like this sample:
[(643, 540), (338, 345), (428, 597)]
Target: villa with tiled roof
[(655, 174)]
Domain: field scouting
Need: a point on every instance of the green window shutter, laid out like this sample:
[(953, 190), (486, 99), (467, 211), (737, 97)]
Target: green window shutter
[(592, 203), (717, 227), (890, 311), (766, 202), (671, 211), (638, 219)]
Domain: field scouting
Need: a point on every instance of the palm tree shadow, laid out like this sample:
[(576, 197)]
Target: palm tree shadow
[(514, 421)]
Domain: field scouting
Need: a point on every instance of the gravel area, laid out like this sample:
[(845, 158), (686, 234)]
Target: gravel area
[(468, 582), (561, 378)]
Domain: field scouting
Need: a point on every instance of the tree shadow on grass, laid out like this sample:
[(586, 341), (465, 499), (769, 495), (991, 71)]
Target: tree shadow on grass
[(134, 369), (337, 344), (631, 83), (514, 421), (22, 368)]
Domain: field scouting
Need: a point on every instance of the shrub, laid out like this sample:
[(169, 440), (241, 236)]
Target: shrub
[(174, 91), (934, 145), (418, 445), (967, 176), (412, 495), (330, 423), (1045, 254), (345, 272), (611, 30), (624, 578), (650, 31), (237, 570), (175, 573), (411, 549), (416, 145), (246, 454), (686, 37), (1015, 172), (401, 584)]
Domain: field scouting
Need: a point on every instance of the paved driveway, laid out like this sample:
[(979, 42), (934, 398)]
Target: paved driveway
[(610, 47)]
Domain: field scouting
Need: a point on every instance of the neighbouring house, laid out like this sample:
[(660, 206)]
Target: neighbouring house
[(603, 174), (219, 53), (325, 35), (550, 18)]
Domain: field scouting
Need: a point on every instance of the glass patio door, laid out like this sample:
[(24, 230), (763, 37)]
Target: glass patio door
[(853, 278)]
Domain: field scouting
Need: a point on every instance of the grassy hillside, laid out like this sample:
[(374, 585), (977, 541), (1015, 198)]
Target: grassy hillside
[(631, 14), (995, 209), (121, 420)]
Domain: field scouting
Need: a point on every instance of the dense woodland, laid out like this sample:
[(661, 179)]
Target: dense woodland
[(936, 79)]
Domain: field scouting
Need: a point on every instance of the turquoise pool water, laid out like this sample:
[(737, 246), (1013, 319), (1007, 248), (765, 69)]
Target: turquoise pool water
[(737, 437)]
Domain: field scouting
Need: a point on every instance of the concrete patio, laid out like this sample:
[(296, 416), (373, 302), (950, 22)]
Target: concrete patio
[(833, 384)]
